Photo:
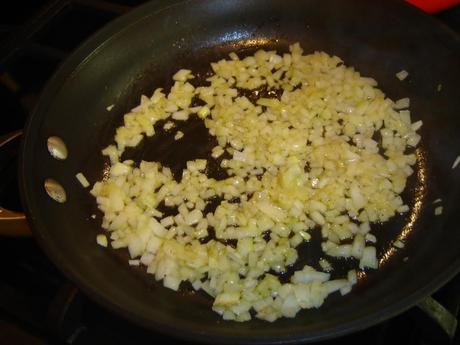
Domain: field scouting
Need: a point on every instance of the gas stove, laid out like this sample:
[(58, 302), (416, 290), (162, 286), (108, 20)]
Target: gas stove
[(38, 305)]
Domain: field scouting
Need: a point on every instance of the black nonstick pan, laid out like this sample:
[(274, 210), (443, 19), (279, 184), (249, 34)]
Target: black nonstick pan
[(140, 51)]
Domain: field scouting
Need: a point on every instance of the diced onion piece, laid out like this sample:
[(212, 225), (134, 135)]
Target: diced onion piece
[(193, 217), (119, 169), (147, 258), (401, 75), (180, 115), (153, 244), (101, 240), (345, 290), (369, 258), (358, 246), (343, 251), (227, 298), (217, 152), (308, 274), (171, 282), (364, 228), (370, 238), (168, 125), (136, 246), (233, 56), (402, 209), (398, 244), (318, 217), (456, 162), (438, 211), (183, 75), (325, 265), (402, 103), (203, 112), (82, 179), (274, 212), (352, 277), (178, 135), (305, 235), (168, 221), (335, 285), (417, 125)]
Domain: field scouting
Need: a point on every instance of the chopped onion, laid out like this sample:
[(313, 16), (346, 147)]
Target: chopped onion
[(369, 258), (438, 211), (178, 135), (180, 115), (370, 238), (183, 75), (456, 162), (325, 265), (402, 103), (398, 244), (168, 125), (352, 277), (401, 75), (304, 160), (101, 240), (82, 179)]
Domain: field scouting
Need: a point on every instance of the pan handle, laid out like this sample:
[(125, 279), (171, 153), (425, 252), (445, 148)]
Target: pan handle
[(12, 223), (443, 317)]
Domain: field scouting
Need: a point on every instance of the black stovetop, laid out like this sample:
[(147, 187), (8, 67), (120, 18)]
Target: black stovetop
[(37, 304)]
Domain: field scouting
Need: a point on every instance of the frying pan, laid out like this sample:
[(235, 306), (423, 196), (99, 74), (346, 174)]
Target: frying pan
[(139, 52)]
